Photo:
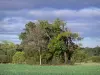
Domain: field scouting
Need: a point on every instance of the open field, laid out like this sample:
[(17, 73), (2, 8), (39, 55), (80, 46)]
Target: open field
[(18, 69)]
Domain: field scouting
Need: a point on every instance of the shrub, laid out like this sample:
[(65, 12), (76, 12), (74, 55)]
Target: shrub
[(79, 56), (95, 58), (19, 57), (32, 60), (3, 58)]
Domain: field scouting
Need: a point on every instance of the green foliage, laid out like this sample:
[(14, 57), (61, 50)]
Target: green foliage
[(2, 52), (56, 45), (80, 56), (51, 43), (3, 59), (7, 45), (92, 51), (19, 57), (95, 59), (32, 55), (7, 49), (22, 35), (56, 48), (10, 54), (49, 39), (32, 61)]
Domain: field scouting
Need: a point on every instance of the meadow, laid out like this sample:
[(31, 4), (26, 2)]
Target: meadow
[(23, 69)]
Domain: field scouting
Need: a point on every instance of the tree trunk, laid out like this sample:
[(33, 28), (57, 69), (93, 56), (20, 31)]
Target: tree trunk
[(40, 60), (69, 59), (40, 56), (65, 57)]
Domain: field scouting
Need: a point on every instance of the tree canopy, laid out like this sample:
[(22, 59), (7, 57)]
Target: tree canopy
[(54, 38)]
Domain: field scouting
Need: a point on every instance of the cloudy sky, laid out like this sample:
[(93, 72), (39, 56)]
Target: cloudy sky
[(82, 16)]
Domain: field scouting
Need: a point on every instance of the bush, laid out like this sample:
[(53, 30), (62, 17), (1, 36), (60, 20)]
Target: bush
[(10, 54), (3, 58), (19, 57), (79, 56), (95, 59), (32, 60)]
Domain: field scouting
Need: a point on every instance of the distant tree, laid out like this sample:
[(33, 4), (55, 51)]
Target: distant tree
[(96, 51), (8, 48), (92, 51)]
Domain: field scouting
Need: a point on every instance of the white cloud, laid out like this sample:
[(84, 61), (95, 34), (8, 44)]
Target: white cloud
[(83, 13), (13, 38), (90, 12), (90, 42), (13, 23), (11, 27)]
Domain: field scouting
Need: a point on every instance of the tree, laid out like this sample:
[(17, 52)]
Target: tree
[(64, 45), (50, 38), (63, 34), (34, 38), (8, 48), (69, 38), (56, 48)]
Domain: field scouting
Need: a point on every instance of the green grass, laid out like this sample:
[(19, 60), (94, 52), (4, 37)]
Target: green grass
[(15, 69)]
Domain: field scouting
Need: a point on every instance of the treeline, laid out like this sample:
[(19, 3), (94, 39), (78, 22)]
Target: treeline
[(93, 54), (46, 43)]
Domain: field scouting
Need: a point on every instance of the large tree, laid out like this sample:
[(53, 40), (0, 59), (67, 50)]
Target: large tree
[(54, 38), (33, 37)]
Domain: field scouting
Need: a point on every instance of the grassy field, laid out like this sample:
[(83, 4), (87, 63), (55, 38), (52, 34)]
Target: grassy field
[(83, 69)]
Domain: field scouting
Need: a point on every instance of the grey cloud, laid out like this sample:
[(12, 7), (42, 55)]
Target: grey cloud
[(89, 13), (12, 24), (84, 20), (86, 29), (59, 4)]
